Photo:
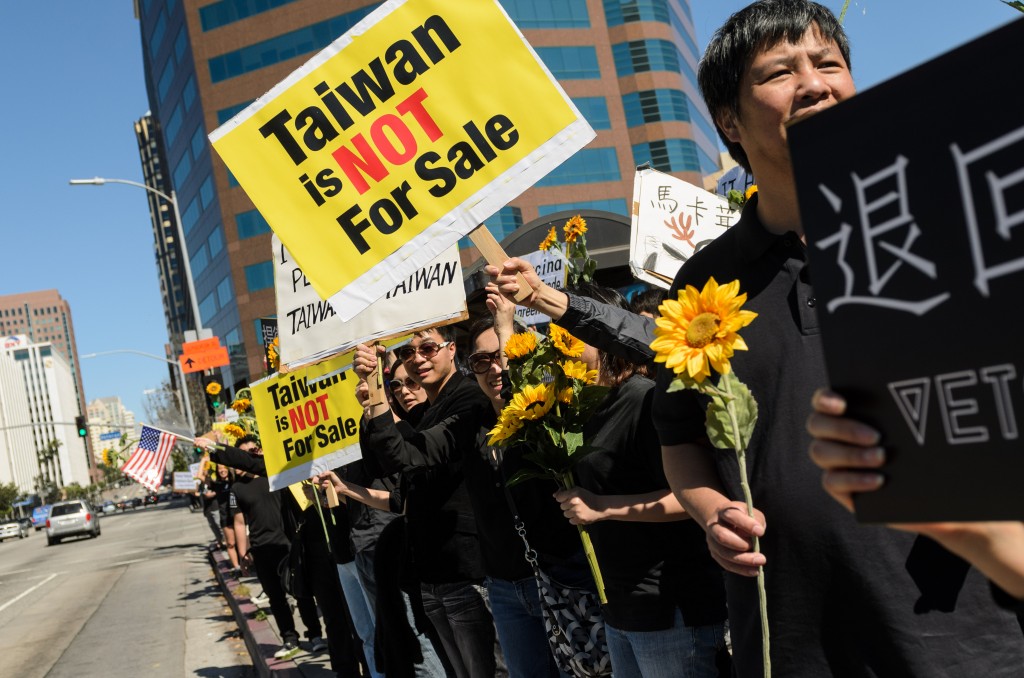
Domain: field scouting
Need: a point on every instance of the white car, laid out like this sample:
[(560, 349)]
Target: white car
[(12, 528)]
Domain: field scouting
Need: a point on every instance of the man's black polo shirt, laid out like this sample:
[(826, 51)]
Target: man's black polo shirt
[(843, 598)]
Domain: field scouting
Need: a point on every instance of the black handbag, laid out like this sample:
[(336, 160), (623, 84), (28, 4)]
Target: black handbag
[(572, 617)]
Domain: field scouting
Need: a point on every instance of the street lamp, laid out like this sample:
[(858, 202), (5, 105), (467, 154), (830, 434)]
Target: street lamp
[(182, 386), (99, 181)]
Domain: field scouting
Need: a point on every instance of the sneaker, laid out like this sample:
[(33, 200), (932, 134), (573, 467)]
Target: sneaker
[(287, 651), (259, 601), (318, 644)]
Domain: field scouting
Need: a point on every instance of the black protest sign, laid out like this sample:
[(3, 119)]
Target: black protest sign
[(912, 198)]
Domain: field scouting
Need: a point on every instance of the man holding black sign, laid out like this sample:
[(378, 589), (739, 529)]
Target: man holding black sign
[(843, 598)]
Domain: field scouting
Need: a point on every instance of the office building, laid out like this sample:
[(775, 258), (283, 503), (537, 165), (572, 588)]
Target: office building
[(109, 419), (18, 462), (45, 316), (49, 387), (629, 65)]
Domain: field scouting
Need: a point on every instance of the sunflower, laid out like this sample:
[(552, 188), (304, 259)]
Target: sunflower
[(575, 227), (520, 345), (751, 190), (507, 426), (550, 241), (241, 405), (565, 342), (565, 395), (533, 402), (575, 369), (213, 388), (699, 331), (234, 430)]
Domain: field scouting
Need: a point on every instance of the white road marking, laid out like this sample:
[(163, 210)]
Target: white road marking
[(126, 562), (24, 593)]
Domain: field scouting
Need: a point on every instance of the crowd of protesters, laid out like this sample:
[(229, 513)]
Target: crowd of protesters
[(422, 571)]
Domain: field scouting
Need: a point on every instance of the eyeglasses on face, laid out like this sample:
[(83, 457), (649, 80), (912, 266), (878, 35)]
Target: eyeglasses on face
[(428, 349), (396, 385), (481, 362)]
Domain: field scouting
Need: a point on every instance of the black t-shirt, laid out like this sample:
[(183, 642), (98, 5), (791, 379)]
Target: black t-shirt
[(365, 522), (649, 569), (843, 598), (262, 509)]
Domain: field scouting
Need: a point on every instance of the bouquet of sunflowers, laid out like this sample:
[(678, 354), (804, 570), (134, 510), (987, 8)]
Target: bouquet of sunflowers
[(554, 396)]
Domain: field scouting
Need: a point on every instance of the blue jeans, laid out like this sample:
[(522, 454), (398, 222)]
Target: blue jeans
[(359, 608), (461, 616), (679, 652), (520, 624)]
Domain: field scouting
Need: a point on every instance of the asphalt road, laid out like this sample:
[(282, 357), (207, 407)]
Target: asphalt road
[(138, 600)]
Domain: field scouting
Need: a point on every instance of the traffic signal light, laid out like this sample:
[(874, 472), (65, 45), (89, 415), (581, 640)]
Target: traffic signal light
[(83, 430)]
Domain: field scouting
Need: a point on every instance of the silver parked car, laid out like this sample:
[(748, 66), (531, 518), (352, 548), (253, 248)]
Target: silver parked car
[(12, 528), (70, 518)]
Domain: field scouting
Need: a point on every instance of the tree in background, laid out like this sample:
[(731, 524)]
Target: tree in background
[(9, 494)]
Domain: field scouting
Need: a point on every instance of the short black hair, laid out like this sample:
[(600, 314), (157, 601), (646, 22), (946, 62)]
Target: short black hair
[(447, 332), (484, 323), (614, 370), (249, 438), (750, 31), (648, 301)]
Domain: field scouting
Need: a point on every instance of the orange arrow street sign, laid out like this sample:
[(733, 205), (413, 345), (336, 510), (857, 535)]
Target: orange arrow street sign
[(197, 362)]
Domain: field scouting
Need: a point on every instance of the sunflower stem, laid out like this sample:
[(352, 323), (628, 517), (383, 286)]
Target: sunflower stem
[(588, 547), (741, 457)]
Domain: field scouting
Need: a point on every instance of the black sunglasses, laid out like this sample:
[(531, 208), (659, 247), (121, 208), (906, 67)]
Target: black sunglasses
[(428, 349), (481, 362), (396, 385)]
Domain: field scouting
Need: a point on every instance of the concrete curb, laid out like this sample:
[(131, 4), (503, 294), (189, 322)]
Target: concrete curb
[(260, 638)]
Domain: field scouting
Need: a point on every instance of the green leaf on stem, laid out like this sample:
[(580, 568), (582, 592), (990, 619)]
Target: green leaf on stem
[(731, 424)]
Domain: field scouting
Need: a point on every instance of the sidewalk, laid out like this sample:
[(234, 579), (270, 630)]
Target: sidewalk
[(260, 632)]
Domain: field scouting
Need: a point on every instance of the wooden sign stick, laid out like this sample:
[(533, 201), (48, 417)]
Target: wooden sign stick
[(495, 256), (375, 383), (332, 496)]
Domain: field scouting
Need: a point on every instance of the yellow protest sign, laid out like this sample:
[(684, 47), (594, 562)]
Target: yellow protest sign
[(307, 428), (397, 140)]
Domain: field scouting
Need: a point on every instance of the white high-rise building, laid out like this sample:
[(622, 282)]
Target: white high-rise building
[(18, 462), (108, 418), (53, 405)]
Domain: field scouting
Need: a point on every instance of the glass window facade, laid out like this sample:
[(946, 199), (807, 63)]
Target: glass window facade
[(283, 47), (156, 39), (225, 114), (190, 216), (216, 241), (548, 13), (259, 276), (618, 12), (181, 171), (208, 308), (570, 63), (587, 166), (199, 261), (638, 56), (655, 105), (225, 292), (226, 12), (188, 92), (251, 224), (198, 142), (595, 110), (173, 126), (616, 205), (166, 78), (669, 155), (206, 192)]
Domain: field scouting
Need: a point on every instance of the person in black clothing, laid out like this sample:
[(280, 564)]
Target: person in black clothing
[(209, 492), (277, 525), (511, 585), (666, 601), (225, 478), (442, 529)]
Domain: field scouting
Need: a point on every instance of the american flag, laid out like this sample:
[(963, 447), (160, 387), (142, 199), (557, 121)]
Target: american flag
[(149, 459)]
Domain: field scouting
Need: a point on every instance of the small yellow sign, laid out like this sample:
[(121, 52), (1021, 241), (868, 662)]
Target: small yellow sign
[(307, 427)]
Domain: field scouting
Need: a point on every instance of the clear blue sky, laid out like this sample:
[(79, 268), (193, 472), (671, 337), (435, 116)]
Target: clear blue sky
[(73, 85)]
